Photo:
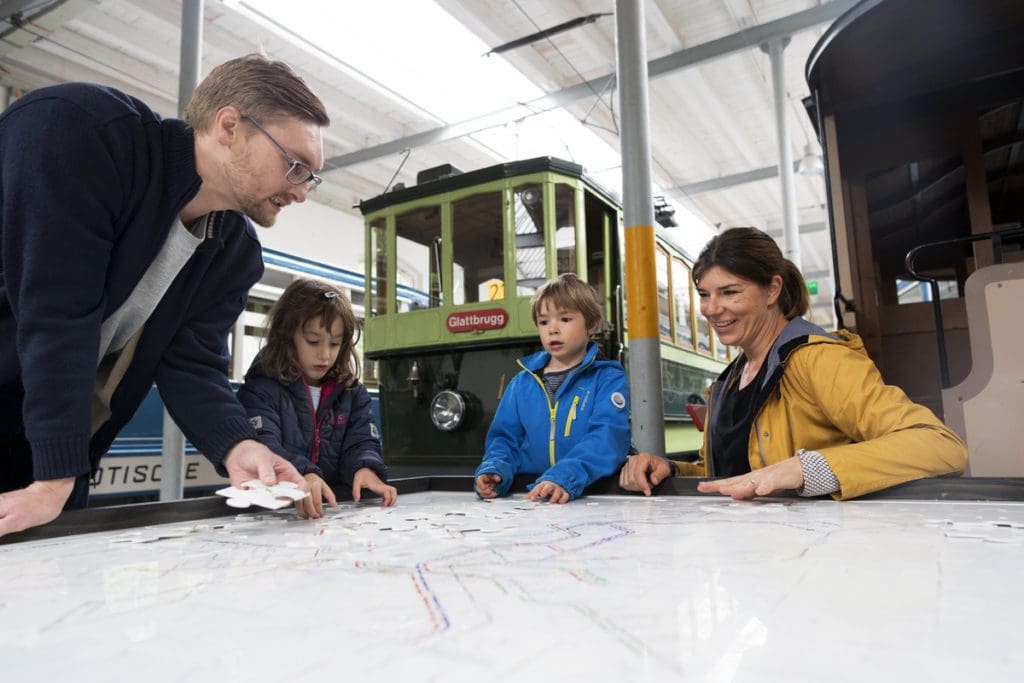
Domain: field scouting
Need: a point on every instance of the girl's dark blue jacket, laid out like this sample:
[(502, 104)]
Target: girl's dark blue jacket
[(341, 439), (91, 181)]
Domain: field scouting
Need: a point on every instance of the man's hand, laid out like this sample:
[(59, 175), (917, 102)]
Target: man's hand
[(313, 506), (644, 471), (366, 478), (550, 490), (38, 503), (487, 485), (782, 476), (249, 459)]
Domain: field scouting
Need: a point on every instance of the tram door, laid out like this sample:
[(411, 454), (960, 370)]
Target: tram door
[(601, 228)]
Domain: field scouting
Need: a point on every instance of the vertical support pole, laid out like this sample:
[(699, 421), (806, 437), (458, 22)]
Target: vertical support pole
[(191, 55), (790, 226), (647, 410), (172, 461)]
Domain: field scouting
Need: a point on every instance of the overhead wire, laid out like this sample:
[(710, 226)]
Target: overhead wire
[(576, 71)]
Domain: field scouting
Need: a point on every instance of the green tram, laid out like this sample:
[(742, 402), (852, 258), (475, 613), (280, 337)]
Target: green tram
[(451, 264)]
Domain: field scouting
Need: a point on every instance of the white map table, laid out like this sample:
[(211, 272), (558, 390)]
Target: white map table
[(445, 587)]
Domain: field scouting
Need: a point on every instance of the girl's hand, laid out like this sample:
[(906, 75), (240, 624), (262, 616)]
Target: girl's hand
[(550, 490), (487, 485), (787, 475), (367, 479), (313, 506)]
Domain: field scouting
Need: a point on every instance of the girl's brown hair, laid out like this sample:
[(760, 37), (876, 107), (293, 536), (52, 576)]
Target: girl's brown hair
[(305, 300), (754, 255)]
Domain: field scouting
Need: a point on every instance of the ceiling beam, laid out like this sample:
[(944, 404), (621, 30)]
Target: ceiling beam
[(817, 274), (722, 182), (692, 56), (805, 229), (8, 8)]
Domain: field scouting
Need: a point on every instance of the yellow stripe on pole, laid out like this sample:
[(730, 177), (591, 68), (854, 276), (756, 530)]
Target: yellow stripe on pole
[(641, 283)]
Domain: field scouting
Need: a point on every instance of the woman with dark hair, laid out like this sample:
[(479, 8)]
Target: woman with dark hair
[(800, 409)]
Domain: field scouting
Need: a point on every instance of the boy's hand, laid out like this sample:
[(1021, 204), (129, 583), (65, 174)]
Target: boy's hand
[(550, 490), (367, 479), (487, 485), (313, 506)]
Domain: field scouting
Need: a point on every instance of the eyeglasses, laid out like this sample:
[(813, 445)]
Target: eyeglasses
[(298, 173)]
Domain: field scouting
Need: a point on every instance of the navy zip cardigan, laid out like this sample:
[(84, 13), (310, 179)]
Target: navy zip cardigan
[(91, 181)]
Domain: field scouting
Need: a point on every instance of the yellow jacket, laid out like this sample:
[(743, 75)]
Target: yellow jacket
[(823, 393)]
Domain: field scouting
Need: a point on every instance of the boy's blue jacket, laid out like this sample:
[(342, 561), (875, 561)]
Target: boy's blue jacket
[(580, 437), (341, 440), (91, 181)]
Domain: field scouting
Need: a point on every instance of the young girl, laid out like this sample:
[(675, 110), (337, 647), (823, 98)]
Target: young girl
[(303, 396)]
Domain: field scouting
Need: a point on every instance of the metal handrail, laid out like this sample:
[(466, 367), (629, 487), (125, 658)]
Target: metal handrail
[(997, 237)]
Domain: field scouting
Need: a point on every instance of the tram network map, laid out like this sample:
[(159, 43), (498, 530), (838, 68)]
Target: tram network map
[(446, 587)]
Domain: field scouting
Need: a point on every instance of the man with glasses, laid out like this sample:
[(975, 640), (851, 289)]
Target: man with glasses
[(126, 255)]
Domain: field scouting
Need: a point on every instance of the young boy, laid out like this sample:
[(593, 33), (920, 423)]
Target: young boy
[(565, 417)]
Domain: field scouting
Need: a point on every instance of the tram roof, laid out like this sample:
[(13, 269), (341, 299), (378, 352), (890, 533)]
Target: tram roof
[(461, 181), (882, 51)]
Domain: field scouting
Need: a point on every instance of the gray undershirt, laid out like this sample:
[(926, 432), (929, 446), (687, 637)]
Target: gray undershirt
[(121, 330), (130, 316)]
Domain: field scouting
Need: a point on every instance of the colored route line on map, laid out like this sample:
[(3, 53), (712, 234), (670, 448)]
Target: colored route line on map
[(438, 617)]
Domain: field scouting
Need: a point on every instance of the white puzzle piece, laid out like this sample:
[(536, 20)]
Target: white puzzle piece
[(255, 492)]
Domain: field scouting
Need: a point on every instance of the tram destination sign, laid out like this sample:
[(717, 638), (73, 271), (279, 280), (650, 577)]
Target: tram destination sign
[(470, 321)]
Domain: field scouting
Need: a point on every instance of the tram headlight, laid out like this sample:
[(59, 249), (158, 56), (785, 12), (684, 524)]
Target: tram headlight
[(448, 410)]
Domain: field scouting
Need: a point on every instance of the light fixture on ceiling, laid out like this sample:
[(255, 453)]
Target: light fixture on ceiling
[(810, 163)]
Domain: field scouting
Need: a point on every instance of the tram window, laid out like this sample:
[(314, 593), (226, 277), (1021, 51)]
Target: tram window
[(378, 268), (370, 377), (721, 350), (528, 204), (565, 228), (913, 291), (369, 369), (419, 245), (682, 303), (597, 219), (920, 201), (664, 318), (476, 249), (254, 322), (703, 335)]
